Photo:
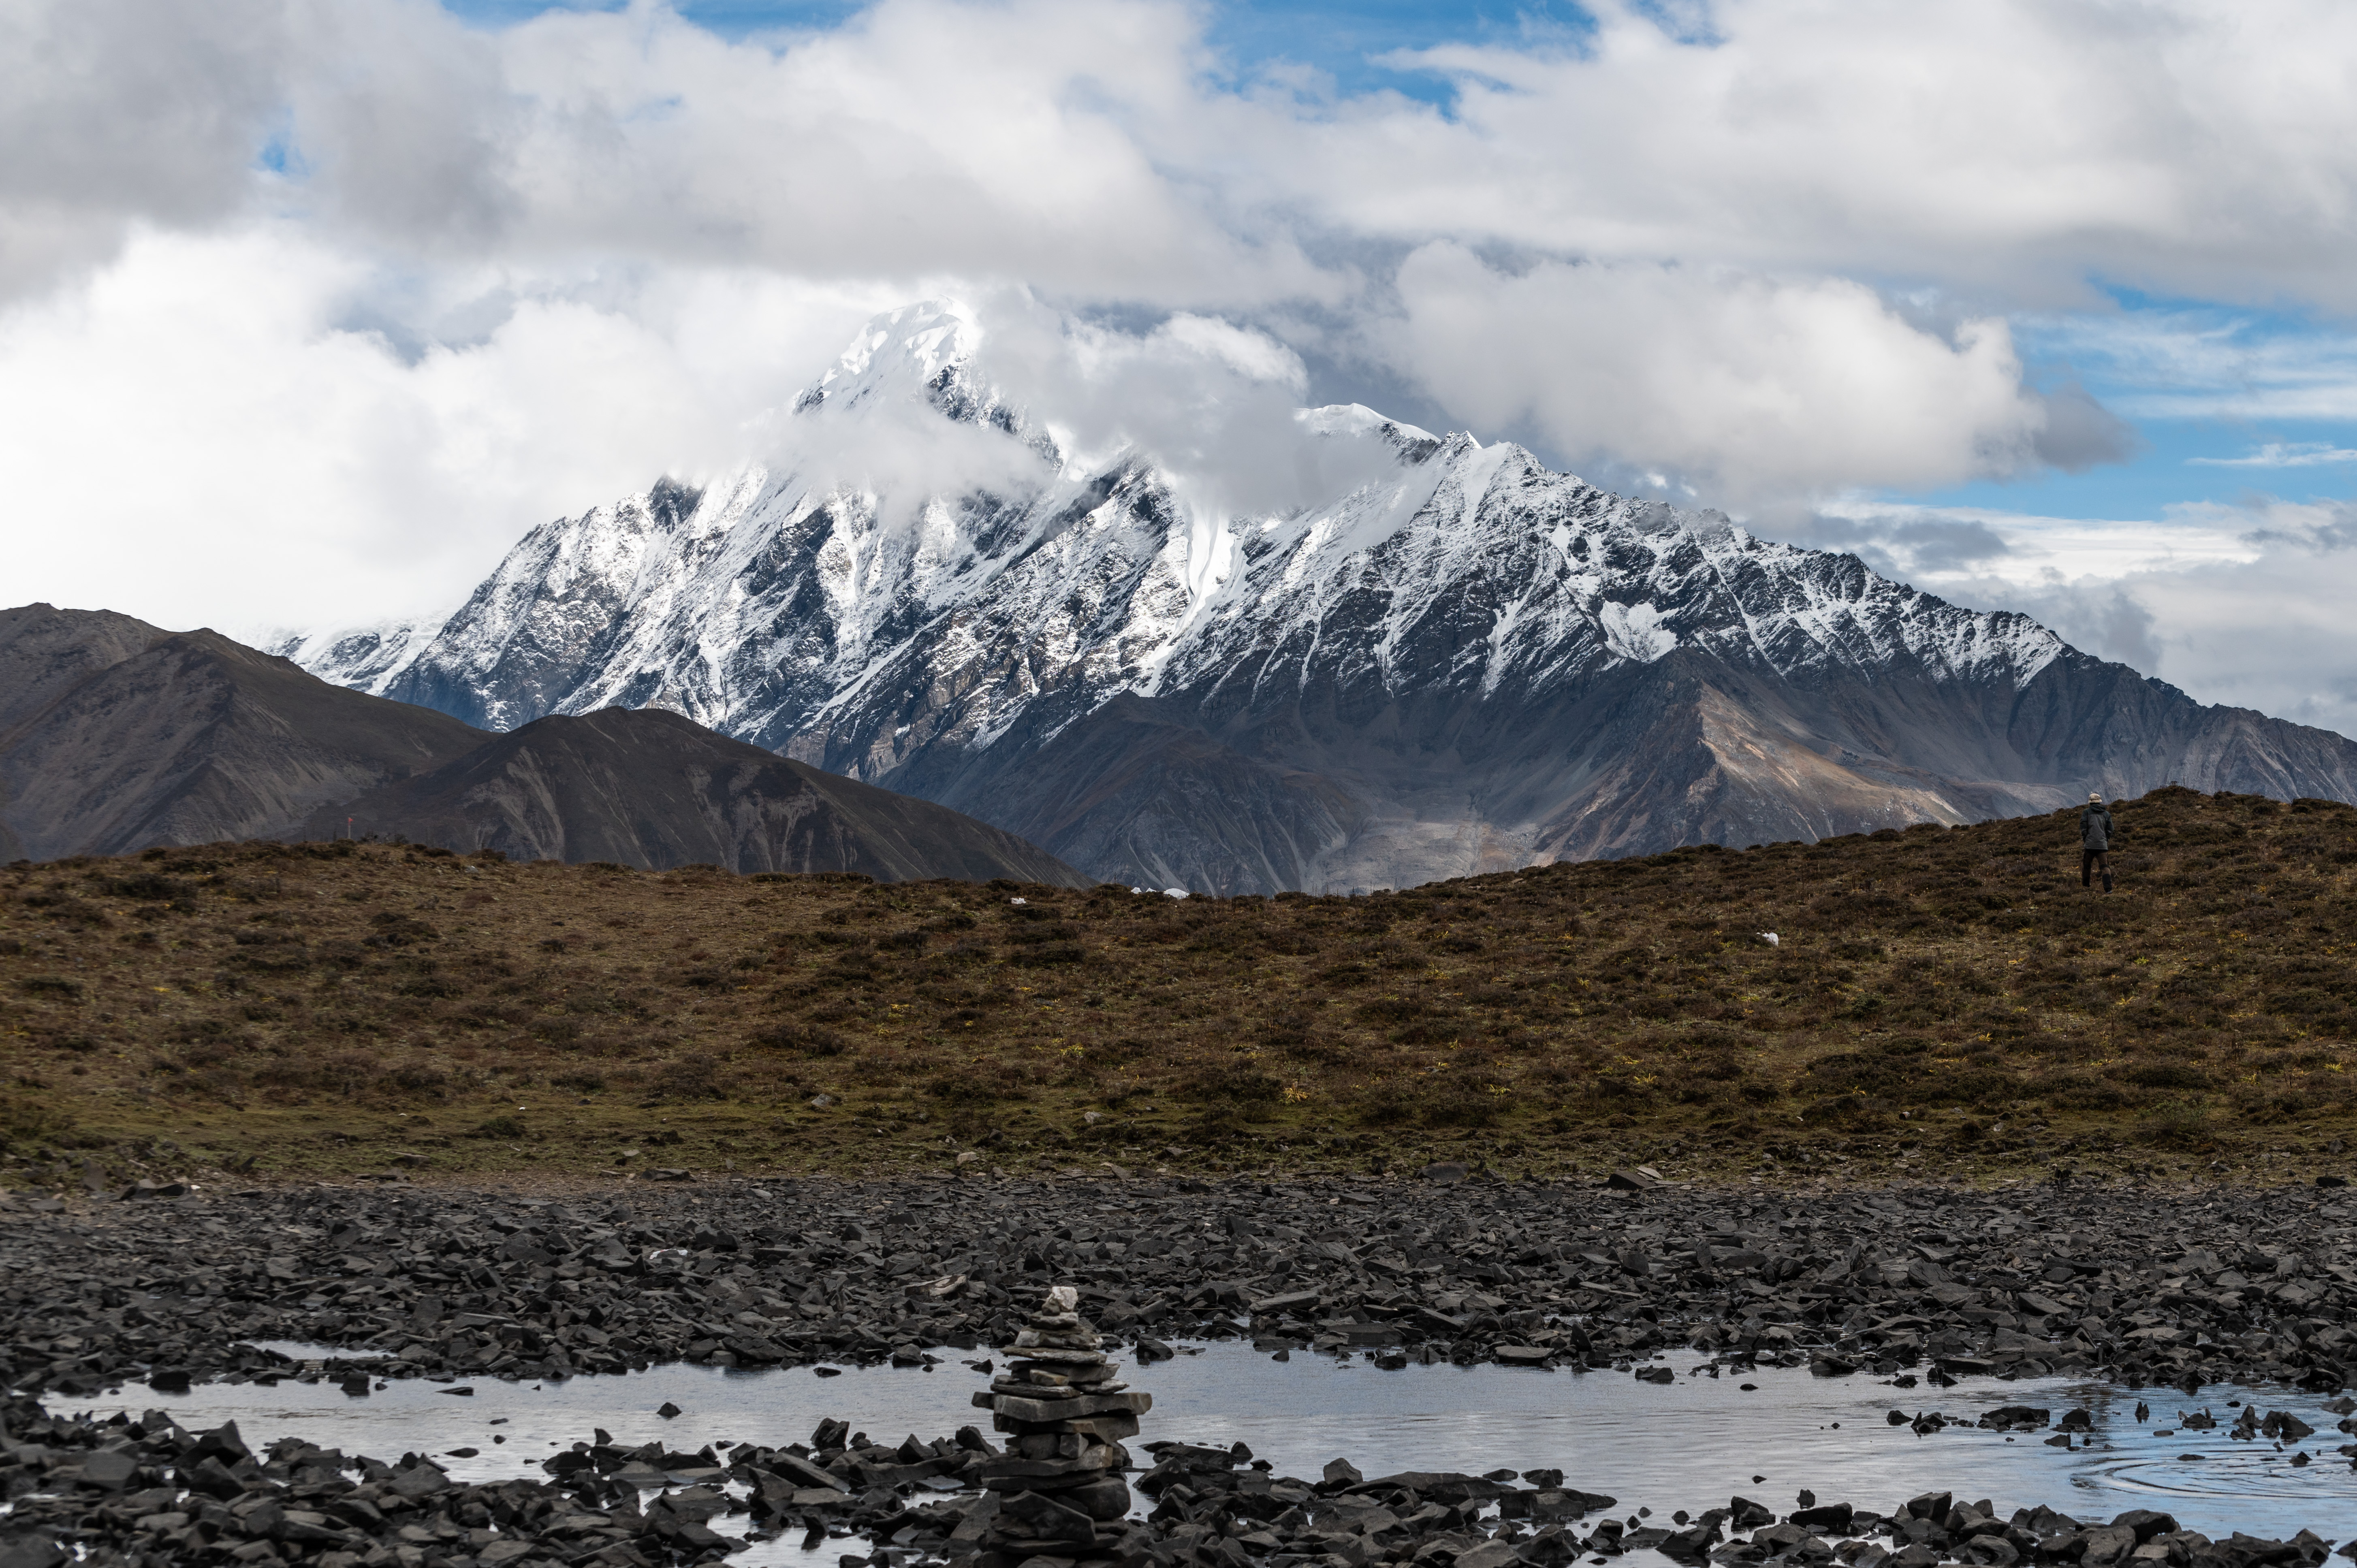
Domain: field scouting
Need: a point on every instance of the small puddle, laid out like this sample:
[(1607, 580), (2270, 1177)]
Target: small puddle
[(1687, 1445)]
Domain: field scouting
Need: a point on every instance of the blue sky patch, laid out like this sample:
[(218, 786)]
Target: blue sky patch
[(1353, 44), (2229, 403)]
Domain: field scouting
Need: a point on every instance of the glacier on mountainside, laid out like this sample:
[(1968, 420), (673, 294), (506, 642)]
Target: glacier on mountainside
[(365, 658)]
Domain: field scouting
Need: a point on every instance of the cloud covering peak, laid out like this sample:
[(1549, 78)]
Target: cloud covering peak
[(347, 292)]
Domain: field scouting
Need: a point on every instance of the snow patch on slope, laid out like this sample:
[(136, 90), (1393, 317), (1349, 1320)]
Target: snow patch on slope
[(1635, 632)]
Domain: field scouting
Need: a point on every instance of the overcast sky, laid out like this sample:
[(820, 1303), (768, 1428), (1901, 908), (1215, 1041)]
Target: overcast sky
[(309, 308)]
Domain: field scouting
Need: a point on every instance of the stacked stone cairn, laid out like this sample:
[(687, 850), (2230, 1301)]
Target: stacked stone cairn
[(1060, 1487)]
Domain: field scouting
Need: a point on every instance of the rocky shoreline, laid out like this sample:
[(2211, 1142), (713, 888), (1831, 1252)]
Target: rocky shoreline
[(145, 1492), (2141, 1286)]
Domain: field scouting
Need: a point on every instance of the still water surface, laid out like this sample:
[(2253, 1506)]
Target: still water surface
[(1689, 1444)]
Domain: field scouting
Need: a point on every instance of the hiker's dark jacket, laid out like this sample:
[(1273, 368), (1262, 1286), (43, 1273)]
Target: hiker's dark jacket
[(2095, 827)]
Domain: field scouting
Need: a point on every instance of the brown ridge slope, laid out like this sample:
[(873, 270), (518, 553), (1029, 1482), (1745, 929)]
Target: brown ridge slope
[(651, 790), (45, 652), (196, 739), (1939, 1001), (122, 736)]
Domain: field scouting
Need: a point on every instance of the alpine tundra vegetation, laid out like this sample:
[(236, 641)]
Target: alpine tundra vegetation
[(1938, 1001)]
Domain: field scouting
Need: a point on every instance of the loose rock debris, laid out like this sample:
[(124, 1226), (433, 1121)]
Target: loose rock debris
[(2146, 1287)]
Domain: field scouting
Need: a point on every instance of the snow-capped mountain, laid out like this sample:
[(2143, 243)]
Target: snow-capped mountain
[(1451, 660)]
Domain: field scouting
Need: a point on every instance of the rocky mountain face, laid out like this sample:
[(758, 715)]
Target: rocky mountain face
[(45, 651), (1454, 660), (194, 738), (651, 789), (122, 735)]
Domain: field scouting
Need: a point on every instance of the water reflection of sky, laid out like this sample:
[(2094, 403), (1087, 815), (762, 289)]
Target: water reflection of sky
[(1689, 1444)]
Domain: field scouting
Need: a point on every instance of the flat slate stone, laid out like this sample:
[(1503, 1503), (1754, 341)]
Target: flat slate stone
[(1017, 1409)]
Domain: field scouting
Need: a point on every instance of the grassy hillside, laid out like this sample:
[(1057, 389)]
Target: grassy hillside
[(1938, 1000)]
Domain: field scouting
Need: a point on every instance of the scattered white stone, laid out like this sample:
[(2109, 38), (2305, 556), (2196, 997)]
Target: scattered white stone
[(1174, 893)]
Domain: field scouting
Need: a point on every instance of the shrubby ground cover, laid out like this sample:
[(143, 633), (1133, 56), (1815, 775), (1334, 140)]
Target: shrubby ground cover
[(1937, 999)]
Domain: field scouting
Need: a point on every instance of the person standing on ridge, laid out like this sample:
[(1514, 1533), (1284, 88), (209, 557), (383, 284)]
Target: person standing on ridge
[(2095, 841)]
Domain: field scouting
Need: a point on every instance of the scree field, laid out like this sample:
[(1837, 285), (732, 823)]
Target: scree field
[(1938, 1001)]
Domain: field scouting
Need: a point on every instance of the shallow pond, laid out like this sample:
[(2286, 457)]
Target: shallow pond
[(1687, 1445)]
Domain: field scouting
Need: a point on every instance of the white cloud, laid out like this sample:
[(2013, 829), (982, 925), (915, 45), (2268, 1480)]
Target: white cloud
[(1213, 401), (1001, 142), (1756, 387), (1079, 144), (2283, 454), (2017, 147), (207, 446), (1937, 547), (117, 113)]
